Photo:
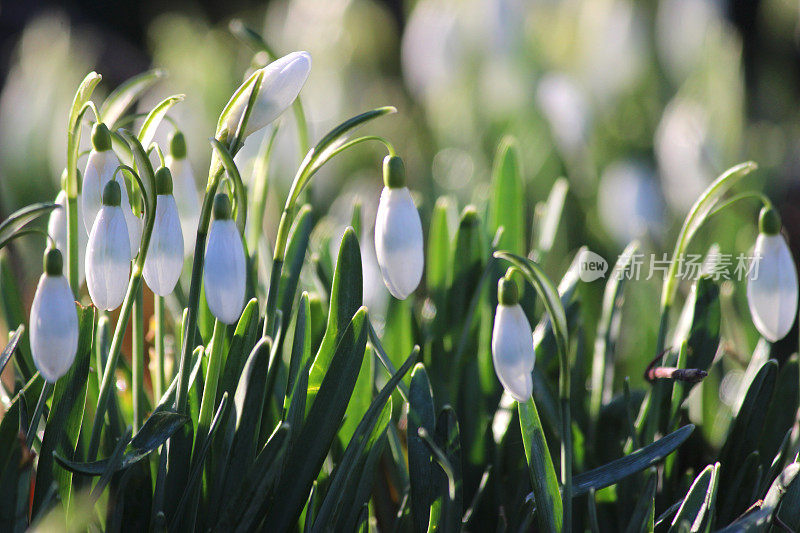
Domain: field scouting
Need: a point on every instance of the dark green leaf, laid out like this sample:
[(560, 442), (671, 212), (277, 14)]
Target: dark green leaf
[(18, 219), (421, 415), (507, 202), (642, 517), (8, 351), (697, 508)]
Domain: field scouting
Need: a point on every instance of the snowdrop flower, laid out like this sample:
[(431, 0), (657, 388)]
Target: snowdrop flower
[(108, 254), (164, 261), (184, 189), (512, 343), (280, 85), (100, 167), (54, 321), (57, 229), (398, 233), (772, 282), (224, 274)]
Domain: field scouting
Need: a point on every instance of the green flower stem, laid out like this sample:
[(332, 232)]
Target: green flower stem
[(158, 374), (182, 394), (210, 387), (47, 390), (260, 192), (137, 358)]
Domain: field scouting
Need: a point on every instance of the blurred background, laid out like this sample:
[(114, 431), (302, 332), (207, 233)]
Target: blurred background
[(640, 104)]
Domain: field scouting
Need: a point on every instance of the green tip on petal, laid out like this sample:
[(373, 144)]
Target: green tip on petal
[(53, 262), (101, 137), (177, 145), (222, 207), (769, 221), (163, 181), (394, 172), (507, 291), (112, 194)]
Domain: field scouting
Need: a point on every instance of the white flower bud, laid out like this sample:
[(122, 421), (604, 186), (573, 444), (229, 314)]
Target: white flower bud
[(772, 287), (225, 273), (100, 167), (280, 85), (108, 254), (164, 261), (512, 344), (57, 229), (398, 242), (53, 321), (184, 189)]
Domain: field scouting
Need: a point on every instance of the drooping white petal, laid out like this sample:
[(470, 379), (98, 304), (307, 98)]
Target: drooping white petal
[(224, 273), (100, 166), (280, 85), (164, 261), (512, 351), (184, 188), (108, 259), (57, 229), (54, 327), (772, 287), (398, 242)]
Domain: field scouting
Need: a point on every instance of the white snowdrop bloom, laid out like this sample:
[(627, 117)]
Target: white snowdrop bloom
[(164, 261), (772, 281), (280, 85), (108, 254), (184, 189), (57, 229), (53, 321), (100, 167), (225, 273), (512, 343), (398, 233)]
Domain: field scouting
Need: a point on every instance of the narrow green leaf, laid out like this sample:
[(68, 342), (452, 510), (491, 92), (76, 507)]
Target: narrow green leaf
[(549, 510), (438, 259), (421, 415), (294, 259), (309, 448), (244, 339), (8, 351), (82, 96), (123, 96), (154, 118), (548, 226), (788, 511), (696, 509), (507, 202), (20, 218), (642, 516), (779, 418)]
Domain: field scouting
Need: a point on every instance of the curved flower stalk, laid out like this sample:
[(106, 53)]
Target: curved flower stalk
[(512, 343), (164, 261), (225, 272), (772, 281), (57, 229), (281, 82), (101, 167), (398, 233), (184, 190), (108, 254), (54, 320)]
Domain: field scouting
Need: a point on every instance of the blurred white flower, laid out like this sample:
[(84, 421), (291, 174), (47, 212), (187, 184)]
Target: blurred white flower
[(629, 200), (280, 85), (225, 273), (398, 233), (564, 106), (57, 229), (108, 254), (164, 261), (53, 321), (682, 30), (681, 147), (184, 189), (512, 343), (772, 283)]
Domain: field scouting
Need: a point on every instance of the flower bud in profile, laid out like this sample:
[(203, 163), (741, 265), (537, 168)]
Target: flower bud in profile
[(398, 233), (225, 272), (57, 229), (280, 84), (772, 281), (512, 342), (108, 254), (184, 189), (53, 321), (100, 168), (164, 261)]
